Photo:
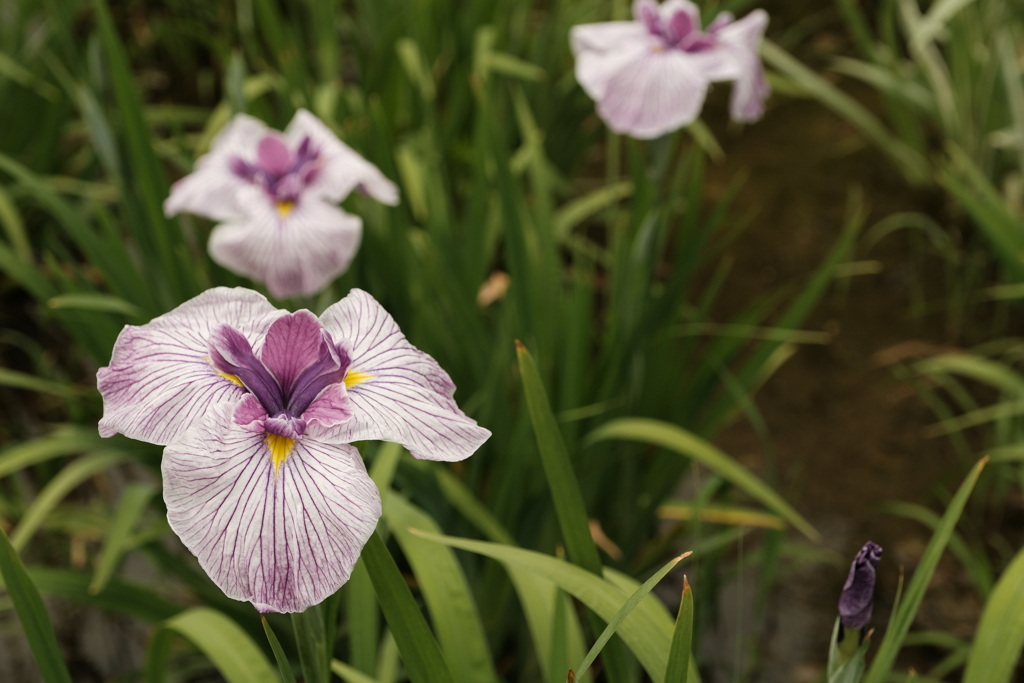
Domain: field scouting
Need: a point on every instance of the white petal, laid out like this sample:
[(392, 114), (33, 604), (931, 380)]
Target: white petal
[(343, 170), (160, 381), (603, 49), (741, 41), (283, 541), (299, 254), (403, 395), (654, 94), (211, 190)]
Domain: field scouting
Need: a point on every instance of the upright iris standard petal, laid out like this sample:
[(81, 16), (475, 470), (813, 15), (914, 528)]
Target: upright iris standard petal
[(276, 195), (857, 599), (295, 254), (398, 393), (651, 75), (161, 380), (283, 536)]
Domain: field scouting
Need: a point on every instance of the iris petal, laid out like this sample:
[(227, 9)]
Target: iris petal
[(160, 380), (404, 394), (282, 542), (296, 255)]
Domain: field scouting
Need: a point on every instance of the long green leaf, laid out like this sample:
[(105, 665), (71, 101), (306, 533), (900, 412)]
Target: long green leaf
[(453, 611), (565, 489), (284, 667), (903, 617), (223, 641), (64, 441), (117, 540), (679, 440), (123, 597), (312, 644), (625, 611), (420, 652), (350, 674), (682, 637), (648, 634), (32, 613), (1000, 635), (60, 486)]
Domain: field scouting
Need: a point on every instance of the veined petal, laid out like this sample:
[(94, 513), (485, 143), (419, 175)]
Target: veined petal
[(292, 345), (211, 190), (160, 380), (296, 254), (604, 49), (655, 93), (280, 529), (398, 393), (343, 169)]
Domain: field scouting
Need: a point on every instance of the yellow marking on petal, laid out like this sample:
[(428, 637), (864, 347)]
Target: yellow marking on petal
[(285, 208), (280, 448), (231, 378), (353, 378)]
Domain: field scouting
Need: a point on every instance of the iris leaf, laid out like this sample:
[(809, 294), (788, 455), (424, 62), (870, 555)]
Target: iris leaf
[(1000, 635), (283, 666), (682, 637), (32, 613), (118, 537)]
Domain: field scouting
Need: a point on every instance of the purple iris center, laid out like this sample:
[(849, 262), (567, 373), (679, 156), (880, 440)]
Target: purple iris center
[(682, 31), (287, 390), (282, 173)]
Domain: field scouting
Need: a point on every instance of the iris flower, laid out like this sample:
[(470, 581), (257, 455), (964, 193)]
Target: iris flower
[(650, 76), (275, 195), (858, 595), (257, 408)]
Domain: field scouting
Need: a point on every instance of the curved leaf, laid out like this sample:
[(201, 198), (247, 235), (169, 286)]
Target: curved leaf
[(1000, 636)]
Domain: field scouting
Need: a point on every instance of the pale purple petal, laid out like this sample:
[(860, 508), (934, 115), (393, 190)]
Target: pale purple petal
[(343, 169), (298, 254), (654, 94), (273, 155), (284, 541), (211, 189), (398, 392), (160, 380), (741, 40), (250, 414), (327, 411), (603, 49), (292, 345)]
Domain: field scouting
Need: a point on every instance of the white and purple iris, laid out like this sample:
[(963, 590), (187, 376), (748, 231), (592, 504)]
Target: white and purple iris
[(257, 408), (650, 76), (276, 197)]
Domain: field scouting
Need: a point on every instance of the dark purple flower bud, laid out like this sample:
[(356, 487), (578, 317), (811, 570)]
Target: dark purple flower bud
[(858, 592)]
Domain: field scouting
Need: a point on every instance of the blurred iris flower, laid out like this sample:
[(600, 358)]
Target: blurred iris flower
[(650, 76), (858, 594), (276, 197), (257, 408)]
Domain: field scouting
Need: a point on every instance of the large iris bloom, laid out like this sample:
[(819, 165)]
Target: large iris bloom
[(650, 76), (276, 196), (257, 408)]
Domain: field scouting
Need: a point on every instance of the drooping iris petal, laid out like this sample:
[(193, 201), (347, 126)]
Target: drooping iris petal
[(857, 599), (343, 170), (603, 49), (398, 392), (283, 537), (654, 93), (297, 252), (743, 39), (160, 380), (211, 190)]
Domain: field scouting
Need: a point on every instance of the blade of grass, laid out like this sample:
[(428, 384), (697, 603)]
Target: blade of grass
[(682, 637), (624, 612), (117, 541), (680, 441), (230, 648), (420, 651), (882, 666), (1000, 635), (312, 643), (283, 667), (32, 614)]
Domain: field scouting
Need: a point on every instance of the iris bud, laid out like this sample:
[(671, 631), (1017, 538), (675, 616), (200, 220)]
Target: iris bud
[(858, 592)]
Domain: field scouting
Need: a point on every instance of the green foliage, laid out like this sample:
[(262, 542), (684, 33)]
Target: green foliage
[(997, 644)]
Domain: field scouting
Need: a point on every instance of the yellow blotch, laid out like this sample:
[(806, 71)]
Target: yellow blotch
[(280, 448), (353, 378), (231, 378), (285, 208)]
